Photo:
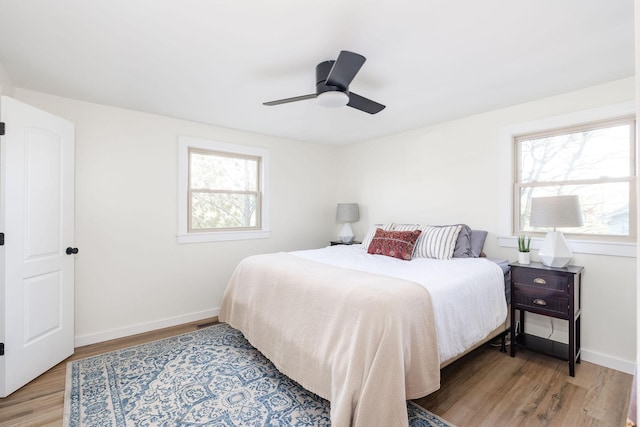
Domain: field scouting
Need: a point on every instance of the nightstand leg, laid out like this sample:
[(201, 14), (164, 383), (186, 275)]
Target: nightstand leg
[(572, 347), (578, 352), (512, 334)]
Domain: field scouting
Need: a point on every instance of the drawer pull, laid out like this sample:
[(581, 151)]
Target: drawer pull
[(539, 301), (539, 281)]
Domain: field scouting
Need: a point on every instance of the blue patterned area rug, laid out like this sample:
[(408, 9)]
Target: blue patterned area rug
[(210, 377)]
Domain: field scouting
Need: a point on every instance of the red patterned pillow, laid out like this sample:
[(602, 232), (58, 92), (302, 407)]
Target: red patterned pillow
[(397, 244)]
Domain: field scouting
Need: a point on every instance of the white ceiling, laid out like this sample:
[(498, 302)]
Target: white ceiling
[(216, 61)]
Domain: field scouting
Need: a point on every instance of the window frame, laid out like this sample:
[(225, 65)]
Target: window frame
[(507, 235), (185, 233), (518, 185)]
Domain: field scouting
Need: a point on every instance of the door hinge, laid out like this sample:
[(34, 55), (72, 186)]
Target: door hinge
[(1, 239), (1, 128), (1, 349)]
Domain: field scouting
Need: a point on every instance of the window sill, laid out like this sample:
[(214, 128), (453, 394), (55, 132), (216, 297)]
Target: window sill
[(223, 236), (580, 246)]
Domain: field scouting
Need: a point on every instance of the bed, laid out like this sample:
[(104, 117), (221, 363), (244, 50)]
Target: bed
[(363, 330)]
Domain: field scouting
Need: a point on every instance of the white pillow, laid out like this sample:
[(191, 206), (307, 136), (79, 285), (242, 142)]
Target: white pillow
[(437, 242)]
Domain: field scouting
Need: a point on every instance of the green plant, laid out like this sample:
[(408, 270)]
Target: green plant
[(524, 243)]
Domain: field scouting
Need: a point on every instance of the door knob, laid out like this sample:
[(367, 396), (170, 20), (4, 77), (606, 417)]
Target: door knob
[(71, 250)]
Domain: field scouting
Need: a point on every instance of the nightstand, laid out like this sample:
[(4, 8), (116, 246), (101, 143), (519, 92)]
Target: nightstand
[(548, 291), (340, 242)]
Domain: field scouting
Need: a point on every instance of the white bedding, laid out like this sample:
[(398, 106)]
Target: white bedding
[(467, 293)]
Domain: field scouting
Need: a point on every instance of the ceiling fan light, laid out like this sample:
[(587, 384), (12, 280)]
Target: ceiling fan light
[(333, 99)]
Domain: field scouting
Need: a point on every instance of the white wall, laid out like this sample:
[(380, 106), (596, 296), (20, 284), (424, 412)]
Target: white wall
[(131, 275), (452, 172), (633, 406), (6, 87)]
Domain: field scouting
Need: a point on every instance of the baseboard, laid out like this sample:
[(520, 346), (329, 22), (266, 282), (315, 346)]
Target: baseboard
[(588, 356), (608, 361), (144, 327)]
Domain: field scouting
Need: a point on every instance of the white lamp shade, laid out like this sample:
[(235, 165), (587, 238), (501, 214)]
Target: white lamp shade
[(556, 211), (347, 212)]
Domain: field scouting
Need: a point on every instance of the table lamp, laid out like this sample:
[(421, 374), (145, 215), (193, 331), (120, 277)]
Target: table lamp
[(347, 213), (556, 211)]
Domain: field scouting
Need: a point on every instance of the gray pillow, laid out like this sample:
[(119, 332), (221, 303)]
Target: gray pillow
[(470, 243), (463, 244), (477, 242)]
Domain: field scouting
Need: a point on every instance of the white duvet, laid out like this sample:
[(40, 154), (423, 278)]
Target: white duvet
[(467, 293)]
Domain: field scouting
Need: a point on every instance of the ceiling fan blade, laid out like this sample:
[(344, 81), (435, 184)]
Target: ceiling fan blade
[(345, 69), (363, 104), (294, 99)]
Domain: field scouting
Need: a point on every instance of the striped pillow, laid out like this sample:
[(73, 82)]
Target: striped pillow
[(437, 242), (405, 227)]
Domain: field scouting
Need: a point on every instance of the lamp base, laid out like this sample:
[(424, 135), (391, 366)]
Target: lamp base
[(346, 234), (555, 251)]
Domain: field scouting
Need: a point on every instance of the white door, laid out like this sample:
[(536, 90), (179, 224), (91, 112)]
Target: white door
[(36, 217)]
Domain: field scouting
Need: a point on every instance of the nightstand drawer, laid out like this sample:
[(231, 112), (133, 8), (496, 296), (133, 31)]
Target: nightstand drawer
[(551, 303), (540, 279)]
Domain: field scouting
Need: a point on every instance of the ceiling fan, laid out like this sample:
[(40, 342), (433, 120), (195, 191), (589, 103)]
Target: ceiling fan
[(332, 85)]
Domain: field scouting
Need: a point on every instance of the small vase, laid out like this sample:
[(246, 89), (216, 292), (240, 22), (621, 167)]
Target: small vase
[(524, 257)]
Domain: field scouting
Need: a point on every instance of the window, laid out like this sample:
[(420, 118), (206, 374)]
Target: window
[(223, 192), (595, 161)]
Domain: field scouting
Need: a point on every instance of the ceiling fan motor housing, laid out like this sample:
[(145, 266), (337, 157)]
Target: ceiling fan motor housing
[(322, 72)]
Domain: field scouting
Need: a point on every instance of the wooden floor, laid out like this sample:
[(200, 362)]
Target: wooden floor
[(489, 388), (485, 388)]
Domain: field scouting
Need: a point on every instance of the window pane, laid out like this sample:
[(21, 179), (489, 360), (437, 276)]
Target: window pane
[(212, 210), (591, 154), (218, 172), (605, 207)]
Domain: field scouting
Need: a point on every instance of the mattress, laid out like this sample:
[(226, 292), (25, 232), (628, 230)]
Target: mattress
[(468, 294)]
